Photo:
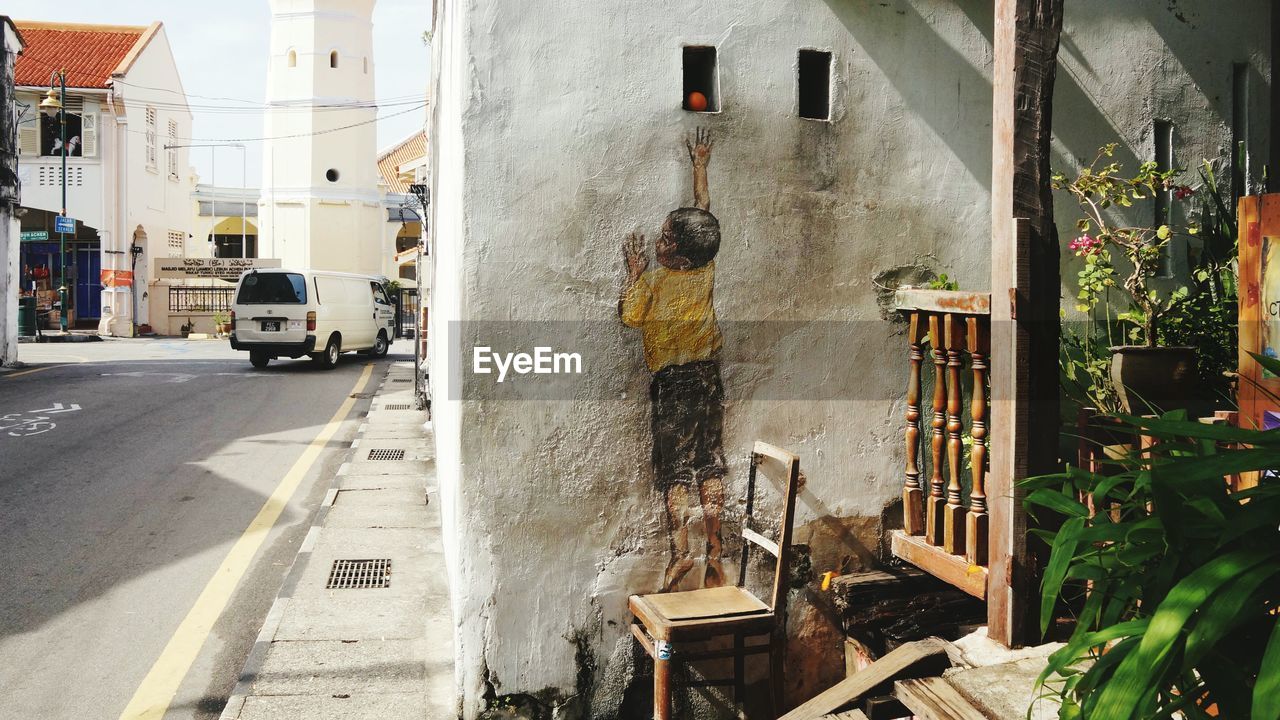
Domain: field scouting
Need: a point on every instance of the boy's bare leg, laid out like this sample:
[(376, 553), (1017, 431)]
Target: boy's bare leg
[(677, 497), (711, 495)]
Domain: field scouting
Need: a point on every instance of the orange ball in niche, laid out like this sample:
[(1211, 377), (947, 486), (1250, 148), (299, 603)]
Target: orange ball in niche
[(697, 101)]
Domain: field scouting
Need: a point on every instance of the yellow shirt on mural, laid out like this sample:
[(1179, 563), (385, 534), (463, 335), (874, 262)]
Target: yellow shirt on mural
[(673, 310)]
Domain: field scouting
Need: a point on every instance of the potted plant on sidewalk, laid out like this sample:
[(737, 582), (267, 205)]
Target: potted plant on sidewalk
[(1145, 375)]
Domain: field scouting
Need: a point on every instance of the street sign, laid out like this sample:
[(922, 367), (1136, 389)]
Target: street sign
[(62, 224), (34, 235)]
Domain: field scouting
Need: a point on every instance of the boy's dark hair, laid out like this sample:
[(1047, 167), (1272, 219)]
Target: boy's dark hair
[(697, 234)]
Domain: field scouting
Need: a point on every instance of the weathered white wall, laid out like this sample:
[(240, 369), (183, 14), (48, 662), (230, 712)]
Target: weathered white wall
[(557, 130)]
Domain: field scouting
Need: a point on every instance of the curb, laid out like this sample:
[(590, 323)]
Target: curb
[(266, 635)]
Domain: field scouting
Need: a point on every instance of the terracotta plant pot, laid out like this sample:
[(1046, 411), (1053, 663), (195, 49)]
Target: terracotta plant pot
[(1151, 380)]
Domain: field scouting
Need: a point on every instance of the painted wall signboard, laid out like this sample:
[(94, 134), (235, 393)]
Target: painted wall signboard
[(209, 268)]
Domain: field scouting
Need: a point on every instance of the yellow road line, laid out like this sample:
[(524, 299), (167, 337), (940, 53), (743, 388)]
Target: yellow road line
[(36, 370), (153, 696)]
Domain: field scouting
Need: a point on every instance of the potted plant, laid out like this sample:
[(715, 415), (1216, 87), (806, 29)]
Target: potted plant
[(1146, 377), (186, 328), (222, 323)]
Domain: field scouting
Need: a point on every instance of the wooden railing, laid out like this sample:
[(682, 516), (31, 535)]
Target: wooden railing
[(942, 534)]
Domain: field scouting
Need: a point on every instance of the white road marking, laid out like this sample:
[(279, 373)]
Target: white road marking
[(33, 422)]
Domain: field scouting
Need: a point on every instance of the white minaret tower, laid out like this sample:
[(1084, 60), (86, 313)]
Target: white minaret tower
[(320, 206)]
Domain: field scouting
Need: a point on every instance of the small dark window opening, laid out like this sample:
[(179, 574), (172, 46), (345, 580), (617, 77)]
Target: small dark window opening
[(701, 92), (331, 175), (814, 74), (333, 59)]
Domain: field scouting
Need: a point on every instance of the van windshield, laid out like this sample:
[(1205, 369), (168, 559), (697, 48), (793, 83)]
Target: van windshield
[(272, 289)]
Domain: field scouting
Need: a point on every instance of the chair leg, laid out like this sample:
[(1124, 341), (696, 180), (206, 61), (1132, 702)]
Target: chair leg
[(777, 653), (739, 670), (662, 680)]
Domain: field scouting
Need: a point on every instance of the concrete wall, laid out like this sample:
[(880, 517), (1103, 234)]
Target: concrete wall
[(10, 46), (557, 130)]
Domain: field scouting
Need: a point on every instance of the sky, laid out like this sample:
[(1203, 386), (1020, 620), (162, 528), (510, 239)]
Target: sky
[(221, 50)]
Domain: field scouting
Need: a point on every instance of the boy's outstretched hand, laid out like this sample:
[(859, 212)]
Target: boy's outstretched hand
[(700, 147), (635, 254)]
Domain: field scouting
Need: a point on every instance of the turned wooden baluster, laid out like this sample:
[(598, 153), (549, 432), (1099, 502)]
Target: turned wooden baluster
[(953, 514), (976, 522), (912, 495), (936, 503)]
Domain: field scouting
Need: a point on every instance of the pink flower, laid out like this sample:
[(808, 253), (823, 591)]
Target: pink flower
[(1085, 245), (1183, 192)]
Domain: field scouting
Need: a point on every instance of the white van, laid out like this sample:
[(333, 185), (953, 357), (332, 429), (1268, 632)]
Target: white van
[(291, 313)]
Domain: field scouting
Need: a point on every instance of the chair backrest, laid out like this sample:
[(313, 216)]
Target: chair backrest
[(783, 468)]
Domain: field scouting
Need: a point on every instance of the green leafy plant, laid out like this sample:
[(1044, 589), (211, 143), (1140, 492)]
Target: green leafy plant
[(1207, 318), (1100, 189), (942, 282), (1180, 611)]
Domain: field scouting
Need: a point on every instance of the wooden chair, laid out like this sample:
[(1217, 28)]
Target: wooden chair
[(664, 620)]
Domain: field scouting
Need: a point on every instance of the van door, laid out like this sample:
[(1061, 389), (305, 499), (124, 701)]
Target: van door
[(384, 312)]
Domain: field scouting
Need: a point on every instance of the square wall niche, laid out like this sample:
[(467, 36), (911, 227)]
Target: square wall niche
[(701, 75), (813, 75)]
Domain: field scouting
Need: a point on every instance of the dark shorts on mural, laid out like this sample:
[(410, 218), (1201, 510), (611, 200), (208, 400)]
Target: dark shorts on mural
[(688, 421)]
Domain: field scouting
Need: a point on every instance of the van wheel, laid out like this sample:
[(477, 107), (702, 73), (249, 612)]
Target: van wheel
[(380, 346), (259, 359), (329, 358)]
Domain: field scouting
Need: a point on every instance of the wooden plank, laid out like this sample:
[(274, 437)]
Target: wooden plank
[(935, 699), (954, 569), (769, 546), (775, 462), (917, 659), (958, 302)]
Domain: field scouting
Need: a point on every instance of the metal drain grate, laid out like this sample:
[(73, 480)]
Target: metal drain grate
[(383, 454), (397, 406), (359, 574), (401, 380)]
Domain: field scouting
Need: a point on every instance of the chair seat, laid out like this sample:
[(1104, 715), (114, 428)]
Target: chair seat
[(700, 613)]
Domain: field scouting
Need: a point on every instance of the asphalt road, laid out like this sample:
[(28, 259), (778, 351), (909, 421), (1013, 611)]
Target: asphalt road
[(117, 508)]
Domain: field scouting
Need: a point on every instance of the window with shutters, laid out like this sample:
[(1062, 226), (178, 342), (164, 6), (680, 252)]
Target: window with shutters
[(176, 242), (89, 135), (151, 138), (171, 151), (28, 127)]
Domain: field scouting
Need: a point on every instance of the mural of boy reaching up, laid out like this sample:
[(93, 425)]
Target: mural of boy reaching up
[(672, 307)]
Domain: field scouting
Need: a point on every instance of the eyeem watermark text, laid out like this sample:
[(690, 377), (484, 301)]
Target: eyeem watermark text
[(543, 361)]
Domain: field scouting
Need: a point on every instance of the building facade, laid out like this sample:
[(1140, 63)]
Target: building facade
[(852, 154), (320, 205), (128, 183)]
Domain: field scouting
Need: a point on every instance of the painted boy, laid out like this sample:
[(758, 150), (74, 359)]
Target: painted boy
[(672, 307)]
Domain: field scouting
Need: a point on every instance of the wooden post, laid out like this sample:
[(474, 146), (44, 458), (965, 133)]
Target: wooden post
[(953, 515), (912, 495), (937, 501), (1025, 289), (976, 522)]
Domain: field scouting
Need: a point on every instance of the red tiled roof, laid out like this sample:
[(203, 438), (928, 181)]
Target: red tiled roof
[(389, 162), (89, 53)]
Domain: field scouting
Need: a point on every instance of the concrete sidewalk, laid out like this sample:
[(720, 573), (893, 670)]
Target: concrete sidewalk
[(383, 652)]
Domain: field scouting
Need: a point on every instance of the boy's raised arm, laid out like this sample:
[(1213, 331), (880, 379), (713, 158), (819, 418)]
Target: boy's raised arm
[(700, 156)]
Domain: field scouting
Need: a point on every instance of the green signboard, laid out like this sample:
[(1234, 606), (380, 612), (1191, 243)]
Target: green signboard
[(35, 235)]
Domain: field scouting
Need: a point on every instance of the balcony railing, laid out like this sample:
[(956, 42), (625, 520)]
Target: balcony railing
[(946, 521)]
